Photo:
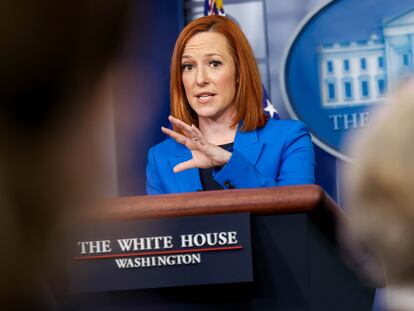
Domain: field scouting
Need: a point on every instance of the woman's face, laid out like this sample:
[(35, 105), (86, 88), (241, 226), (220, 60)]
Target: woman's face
[(209, 76)]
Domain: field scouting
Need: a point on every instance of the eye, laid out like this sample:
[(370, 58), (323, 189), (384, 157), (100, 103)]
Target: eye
[(187, 67), (215, 63)]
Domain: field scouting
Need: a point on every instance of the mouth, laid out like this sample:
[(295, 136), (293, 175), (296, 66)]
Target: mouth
[(204, 95)]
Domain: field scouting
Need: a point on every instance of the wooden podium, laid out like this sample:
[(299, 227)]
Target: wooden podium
[(297, 262)]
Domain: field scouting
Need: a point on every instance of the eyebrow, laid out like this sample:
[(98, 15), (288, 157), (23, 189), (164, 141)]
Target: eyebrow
[(208, 55)]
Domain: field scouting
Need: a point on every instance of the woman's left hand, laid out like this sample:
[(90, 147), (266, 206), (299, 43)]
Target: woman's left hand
[(205, 154)]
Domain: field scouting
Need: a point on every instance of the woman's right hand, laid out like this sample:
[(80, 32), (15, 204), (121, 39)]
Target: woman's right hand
[(205, 154)]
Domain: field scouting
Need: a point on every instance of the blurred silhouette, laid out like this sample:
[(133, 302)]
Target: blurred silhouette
[(54, 60), (381, 197)]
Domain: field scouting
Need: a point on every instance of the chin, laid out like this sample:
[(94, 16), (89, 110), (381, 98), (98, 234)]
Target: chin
[(207, 113)]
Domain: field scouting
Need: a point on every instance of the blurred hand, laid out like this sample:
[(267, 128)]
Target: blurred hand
[(205, 154)]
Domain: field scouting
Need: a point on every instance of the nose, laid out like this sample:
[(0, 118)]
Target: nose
[(202, 76)]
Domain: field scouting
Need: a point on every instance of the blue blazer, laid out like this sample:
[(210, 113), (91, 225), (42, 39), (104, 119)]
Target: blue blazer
[(280, 153)]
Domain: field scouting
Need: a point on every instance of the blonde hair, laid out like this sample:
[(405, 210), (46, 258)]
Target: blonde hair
[(380, 185)]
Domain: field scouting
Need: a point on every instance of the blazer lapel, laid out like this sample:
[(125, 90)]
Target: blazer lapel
[(188, 180), (249, 145)]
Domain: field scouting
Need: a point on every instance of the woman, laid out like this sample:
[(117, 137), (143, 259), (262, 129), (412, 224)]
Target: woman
[(220, 137)]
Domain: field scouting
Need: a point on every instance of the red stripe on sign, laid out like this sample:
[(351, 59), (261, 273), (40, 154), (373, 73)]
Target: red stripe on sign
[(193, 250)]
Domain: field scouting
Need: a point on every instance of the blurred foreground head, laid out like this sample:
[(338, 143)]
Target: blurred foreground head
[(54, 56), (381, 188)]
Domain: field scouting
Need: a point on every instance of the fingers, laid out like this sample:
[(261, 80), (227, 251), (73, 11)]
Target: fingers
[(198, 134), (191, 136), (196, 130), (174, 135), (182, 125), (187, 129), (184, 166)]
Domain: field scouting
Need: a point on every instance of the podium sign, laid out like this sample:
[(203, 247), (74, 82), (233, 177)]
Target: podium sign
[(167, 252)]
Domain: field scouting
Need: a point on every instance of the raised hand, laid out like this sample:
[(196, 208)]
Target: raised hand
[(205, 154)]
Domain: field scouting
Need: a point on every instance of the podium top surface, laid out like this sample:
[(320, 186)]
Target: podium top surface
[(257, 201)]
